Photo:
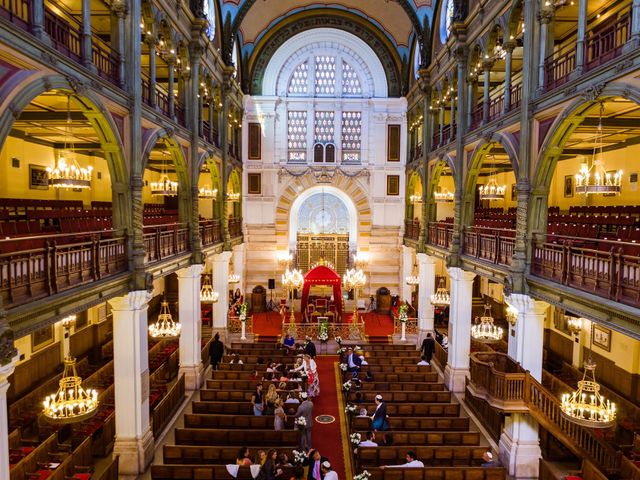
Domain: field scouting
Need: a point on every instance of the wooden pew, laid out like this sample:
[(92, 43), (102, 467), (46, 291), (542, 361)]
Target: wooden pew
[(426, 376), (207, 395), (228, 408), (232, 422), (393, 366), (222, 437), (111, 472), (246, 385), (231, 375), (420, 409), (205, 472), (431, 456), (416, 423), (403, 386), (438, 473), (405, 397), (432, 438), (190, 454)]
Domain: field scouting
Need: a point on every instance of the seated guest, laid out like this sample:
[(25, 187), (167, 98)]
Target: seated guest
[(255, 376), (327, 472), (423, 361), (445, 341), (358, 397), (363, 412), (244, 457), (257, 400), (412, 462), (289, 343), (261, 458), (369, 442), (283, 460), (353, 361), (487, 457), (292, 399)]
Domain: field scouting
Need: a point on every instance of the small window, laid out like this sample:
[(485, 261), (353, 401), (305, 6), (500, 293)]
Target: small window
[(318, 153), (255, 183), (393, 139), (330, 153)]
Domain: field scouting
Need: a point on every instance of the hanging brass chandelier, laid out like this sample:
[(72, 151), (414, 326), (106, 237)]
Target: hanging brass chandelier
[(164, 186), (585, 406), (233, 196), (491, 190), (574, 324), (207, 294), (206, 192), (415, 199), (67, 173), (441, 296), (71, 403), (511, 315), (486, 331), (444, 197), (592, 177), (414, 278), (165, 327)]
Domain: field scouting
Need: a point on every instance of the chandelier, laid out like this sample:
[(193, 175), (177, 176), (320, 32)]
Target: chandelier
[(361, 259), (284, 258), (233, 196), (292, 280), (233, 277), (574, 324), (353, 280), (414, 278), (492, 191), (206, 192), (165, 327), (592, 177), (486, 331), (71, 403), (441, 297), (415, 199), (164, 186), (585, 406), (207, 295), (444, 197), (511, 315), (67, 173)]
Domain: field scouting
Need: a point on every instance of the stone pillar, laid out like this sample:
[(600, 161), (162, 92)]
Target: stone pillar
[(238, 268), (5, 373), (221, 285), (118, 15), (544, 18), (634, 39), (486, 66), (212, 114), (457, 368), (189, 316), (151, 42), (508, 47), (472, 87), (134, 439), (427, 275), (407, 269), (519, 447), (527, 349), (37, 22), (171, 62), (582, 31), (452, 117), (441, 122), (87, 40)]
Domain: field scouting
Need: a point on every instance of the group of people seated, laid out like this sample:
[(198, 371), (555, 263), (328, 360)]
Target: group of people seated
[(413, 462)]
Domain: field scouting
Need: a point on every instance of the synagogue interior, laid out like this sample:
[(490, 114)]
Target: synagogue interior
[(321, 240)]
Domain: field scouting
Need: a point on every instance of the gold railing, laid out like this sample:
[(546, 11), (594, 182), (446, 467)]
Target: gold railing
[(234, 325), (411, 327), (347, 331)]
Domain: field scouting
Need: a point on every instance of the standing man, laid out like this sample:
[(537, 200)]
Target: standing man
[(310, 348), (353, 361), (305, 410), (327, 472), (314, 462), (216, 351), (428, 346)]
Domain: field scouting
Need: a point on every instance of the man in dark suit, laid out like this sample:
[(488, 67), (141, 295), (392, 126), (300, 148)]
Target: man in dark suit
[(310, 348), (315, 462), (216, 351), (305, 410), (353, 361), (428, 346)]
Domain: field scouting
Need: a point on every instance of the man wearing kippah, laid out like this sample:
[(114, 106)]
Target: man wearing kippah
[(487, 457), (327, 472)]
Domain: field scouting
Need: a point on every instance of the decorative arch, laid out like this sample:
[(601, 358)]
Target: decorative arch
[(415, 186), (555, 140), (513, 19), (234, 183), (175, 152), (365, 34), (24, 87), (347, 189)]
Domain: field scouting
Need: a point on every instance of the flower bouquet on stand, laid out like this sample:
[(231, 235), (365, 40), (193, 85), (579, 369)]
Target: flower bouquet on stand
[(301, 423), (355, 439), (363, 476), (299, 457)]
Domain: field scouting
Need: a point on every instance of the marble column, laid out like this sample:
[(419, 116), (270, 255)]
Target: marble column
[(519, 447), (221, 285), (87, 37), (171, 79), (189, 316), (5, 372), (134, 438), (37, 21), (582, 32), (457, 368), (427, 275), (545, 17), (634, 39), (486, 66), (508, 47), (407, 270)]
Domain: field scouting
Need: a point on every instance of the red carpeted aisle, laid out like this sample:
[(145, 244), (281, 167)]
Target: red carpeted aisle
[(328, 438)]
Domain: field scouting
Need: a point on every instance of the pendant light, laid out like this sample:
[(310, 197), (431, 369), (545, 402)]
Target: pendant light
[(491, 190), (207, 294), (164, 186), (165, 327), (486, 331)]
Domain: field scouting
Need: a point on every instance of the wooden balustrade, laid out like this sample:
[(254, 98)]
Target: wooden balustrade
[(607, 43), (17, 12), (146, 91), (210, 232), (491, 244), (165, 241), (64, 37), (55, 265), (440, 356), (435, 139), (609, 274), (446, 134), (235, 227), (477, 114), (180, 114), (440, 234), (412, 229), (516, 96), (165, 409), (496, 107), (162, 101), (206, 131), (558, 67), (106, 60), (499, 380)]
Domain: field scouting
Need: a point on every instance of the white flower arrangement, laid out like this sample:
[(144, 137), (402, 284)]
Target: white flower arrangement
[(344, 367), (346, 386), (323, 336), (350, 409), (363, 476), (243, 312), (356, 348), (299, 456), (403, 313), (355, 439), (341, 351), (301, 423), (338, 340)]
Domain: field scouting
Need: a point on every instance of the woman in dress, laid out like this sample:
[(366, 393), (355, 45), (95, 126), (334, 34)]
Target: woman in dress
[(280, 417), (270, 399), (310, 369), (244, 457), (257, 401)]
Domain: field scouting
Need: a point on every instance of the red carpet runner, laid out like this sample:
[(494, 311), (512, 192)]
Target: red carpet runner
[(327, 438)]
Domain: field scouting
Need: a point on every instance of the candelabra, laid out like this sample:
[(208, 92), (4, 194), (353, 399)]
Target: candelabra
[(353, 280), (292, 279)]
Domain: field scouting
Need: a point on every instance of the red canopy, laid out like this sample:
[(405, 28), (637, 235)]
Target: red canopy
[(323, 275)]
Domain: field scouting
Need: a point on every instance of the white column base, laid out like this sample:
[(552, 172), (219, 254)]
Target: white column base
[(193, 376), (136, 454), (454, 378), (522, 459)]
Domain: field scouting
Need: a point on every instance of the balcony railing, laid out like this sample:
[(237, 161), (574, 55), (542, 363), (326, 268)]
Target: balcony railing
[(106, 61), (412, 229), (64, 37), (603, 269), (235, 227), (163, 241), (416, 152), (440, 234), (496, 107), (516, 96), (210, 232), (490, 244), (17, 12), (476, 116), (499, 380), (435, 140), (35, 267), (180, 114), (607, 43)]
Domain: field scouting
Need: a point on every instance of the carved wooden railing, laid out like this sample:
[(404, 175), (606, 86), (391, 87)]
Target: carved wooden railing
[(410, 327), (17, 12), (579, 263), (607, 43), (499, 380), (491, 244), (440, 234), (34, 267), (516, 96), (106, 60), (347, 331), (234, 325), (166, 407), (476, 116), (412, 229), (64, 36), (235, 227), (496, 107), (435, 139), (210, 232), (440, 356), (558, 67), (163, 241)]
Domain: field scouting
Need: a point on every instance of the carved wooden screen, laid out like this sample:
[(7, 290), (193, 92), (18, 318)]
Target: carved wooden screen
[(333, 248)]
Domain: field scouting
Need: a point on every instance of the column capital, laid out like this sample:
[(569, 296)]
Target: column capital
[(222, 257), (7, 369), (545, 16), (487, 65), (136, 300), (526, 305), (120, 8), (458, 274), (509, 46), (424, 259), (192, 271)]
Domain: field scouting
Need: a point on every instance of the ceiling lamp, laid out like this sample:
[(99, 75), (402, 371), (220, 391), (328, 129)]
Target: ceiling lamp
[(592, 177), (574, 324), (233, 278), (164, 186), (486, 331), (415, 199), (71, 403), (233, 196), (492, 191), (585, 406), (207, 295), (67, 173), (354, 280), (206, 192), (165, 327), (444, 197), (441, 298)]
